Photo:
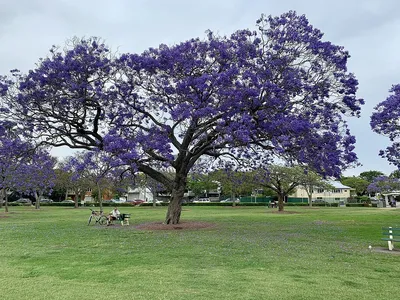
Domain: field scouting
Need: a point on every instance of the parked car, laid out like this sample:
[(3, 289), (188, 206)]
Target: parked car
[(229, 200), (158, 202), (201, 200), (67, 201), (23, 201), (374, 200), (46, 201), (136, 202), (118, 201)]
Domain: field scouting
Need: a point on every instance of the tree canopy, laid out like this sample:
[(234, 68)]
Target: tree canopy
[(359, 184), (385, 120), (280, 91), (384, 184)]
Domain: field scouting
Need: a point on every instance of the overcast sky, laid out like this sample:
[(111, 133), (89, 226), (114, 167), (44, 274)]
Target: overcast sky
[(368, 29)]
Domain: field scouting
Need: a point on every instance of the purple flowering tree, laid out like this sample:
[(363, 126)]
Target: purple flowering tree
[(14, 152), (384, 184), (280, 91), (96, 167), (385, 121), (35, 176)]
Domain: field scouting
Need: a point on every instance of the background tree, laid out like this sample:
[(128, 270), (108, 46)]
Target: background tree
[(278, 92), (384, 184), (143, 181), (360, 185), (96, 167), (201, 184), (62, 183), (282, 180), (14, 153), (370, 175), (233, 183), (309, 181), (35, 176)]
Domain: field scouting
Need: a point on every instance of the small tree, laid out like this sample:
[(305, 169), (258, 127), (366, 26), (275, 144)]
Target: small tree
[(282, 180), (310, 180)]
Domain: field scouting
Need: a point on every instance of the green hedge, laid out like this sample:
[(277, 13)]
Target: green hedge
[(17, 204), (356, 205), (59, 204)]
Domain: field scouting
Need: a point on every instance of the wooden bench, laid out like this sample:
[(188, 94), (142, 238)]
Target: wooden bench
[(393, 235), (124, 218), (272, 204)]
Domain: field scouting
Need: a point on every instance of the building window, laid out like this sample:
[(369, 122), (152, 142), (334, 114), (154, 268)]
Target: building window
[(320, 191)]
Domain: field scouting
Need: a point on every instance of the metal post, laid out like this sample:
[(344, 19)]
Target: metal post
[(390, 243)]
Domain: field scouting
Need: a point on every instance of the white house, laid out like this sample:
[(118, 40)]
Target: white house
[(339, 192), (142, 193)]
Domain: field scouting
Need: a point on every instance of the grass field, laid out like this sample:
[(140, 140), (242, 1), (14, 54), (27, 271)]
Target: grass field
[(249, 253)]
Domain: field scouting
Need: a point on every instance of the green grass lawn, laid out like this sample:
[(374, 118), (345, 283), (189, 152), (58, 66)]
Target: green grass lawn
[(249, 253)]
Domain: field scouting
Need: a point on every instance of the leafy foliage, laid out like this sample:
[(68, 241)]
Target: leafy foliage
[(281, 179), (370, 175), (280, 91), (384, 184), (385, 120), (358, 183)]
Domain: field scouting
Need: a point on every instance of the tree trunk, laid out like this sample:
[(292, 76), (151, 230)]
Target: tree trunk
[(37, 198), (2, 193), (77, 198), (280, 202), (100, 196), (175, 206), (6, 201), (310, 200), (233, 198)]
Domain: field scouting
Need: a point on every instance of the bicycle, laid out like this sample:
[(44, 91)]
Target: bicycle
[(98, 216)]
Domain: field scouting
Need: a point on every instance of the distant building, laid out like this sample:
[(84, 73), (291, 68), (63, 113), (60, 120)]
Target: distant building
[(339, 192), (142, 193)]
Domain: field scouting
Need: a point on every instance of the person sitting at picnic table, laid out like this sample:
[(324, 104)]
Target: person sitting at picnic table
[(114, 215)]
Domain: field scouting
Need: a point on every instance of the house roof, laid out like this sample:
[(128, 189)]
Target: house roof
[(338, 184)]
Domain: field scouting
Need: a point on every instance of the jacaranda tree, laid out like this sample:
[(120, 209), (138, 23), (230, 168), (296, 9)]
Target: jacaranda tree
[(384, 184), (279, 91), (35, 175), (95, 167), (385, 120), (14, 152)]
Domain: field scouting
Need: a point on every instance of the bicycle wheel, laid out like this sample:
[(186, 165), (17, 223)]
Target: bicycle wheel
[(103, 220)]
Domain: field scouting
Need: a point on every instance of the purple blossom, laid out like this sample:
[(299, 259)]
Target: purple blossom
[(280, 91), (385, 121)]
